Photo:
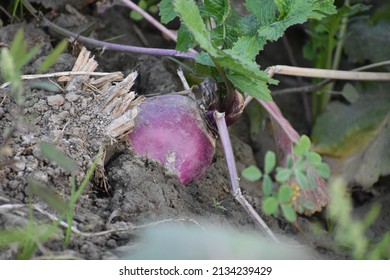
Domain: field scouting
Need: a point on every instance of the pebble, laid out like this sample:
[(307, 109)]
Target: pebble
[(19, 165), (55, 100), (72, 97)]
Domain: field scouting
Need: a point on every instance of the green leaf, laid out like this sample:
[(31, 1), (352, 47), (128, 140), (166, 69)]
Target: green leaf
[(270, 162), (264, 10), (345, 129), (137, 16), (267, 185), (19, 50), (251, 173), (314, 158), (282, 174), (289, 213), (301, 179), (270, 206), (253, 87), (302, 146), (307, 204), (220, 10), (233, 59), (293, 12), (185, 40), (51, 152), (350, 93), (49, 196), (190, 16), (375, 37), (167, 11), (323, 170), (311, 179), (248, 26), (52, 58), (290, 161), (248, 46), (284, 194)]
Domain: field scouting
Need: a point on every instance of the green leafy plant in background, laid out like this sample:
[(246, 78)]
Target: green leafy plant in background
[(353, 133), (349, 232), (230, 43), (147, 5), (324, 49), (289, 179)]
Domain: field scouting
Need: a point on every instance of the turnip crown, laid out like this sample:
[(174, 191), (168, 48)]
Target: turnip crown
[(172, 130)]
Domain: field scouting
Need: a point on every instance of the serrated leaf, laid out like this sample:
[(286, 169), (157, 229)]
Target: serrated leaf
[(217, 9), (289, 213), (323, 170), (270, 205), (267, 185), (51, 152), (282, 174), (251, 173), (185, 40), (269, 162), (52, 58), (264, 10), (249, 46), (167, 11), (293, 12), (190, 16), (284, 194), (253, 87), (248, 25)]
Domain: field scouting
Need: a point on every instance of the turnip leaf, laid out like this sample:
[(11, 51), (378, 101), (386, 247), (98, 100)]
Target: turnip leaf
[(264, 10), (185, 40), (190, 16), (217, 9), (293, 12), (167, 11), (251, 86)]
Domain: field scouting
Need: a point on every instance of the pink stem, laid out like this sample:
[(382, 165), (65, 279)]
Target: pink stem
[(150, 19)]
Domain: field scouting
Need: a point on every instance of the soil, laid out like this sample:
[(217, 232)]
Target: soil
[(118, 220)]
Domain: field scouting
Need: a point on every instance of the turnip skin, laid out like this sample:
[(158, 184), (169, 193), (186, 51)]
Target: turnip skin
[(172, 130)]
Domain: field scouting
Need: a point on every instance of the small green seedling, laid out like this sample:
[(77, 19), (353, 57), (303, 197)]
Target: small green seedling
[(289, 180), (218, 205)]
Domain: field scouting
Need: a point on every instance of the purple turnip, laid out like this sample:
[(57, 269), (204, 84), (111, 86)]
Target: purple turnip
[(172, 130)]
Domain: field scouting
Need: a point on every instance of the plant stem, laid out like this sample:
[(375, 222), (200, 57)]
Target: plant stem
[(330, 74), (117, 47), (150, 19), (325, 96), (227, 147)]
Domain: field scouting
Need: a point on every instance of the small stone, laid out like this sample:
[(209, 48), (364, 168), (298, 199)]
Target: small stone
[(72, 97), (55, 100), (19, 165)]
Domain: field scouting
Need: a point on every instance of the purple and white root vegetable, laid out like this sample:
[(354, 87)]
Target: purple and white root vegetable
[(172, 130)]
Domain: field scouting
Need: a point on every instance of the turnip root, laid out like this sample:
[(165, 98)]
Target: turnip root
[(172, 130)]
